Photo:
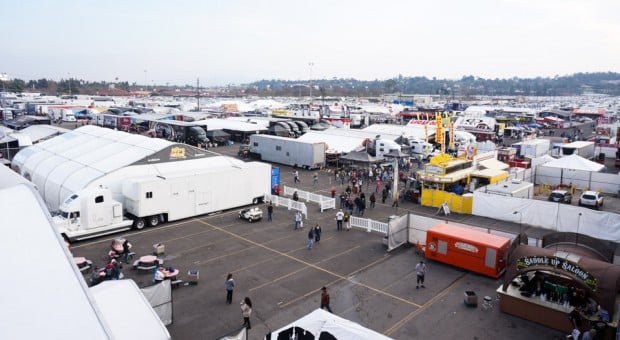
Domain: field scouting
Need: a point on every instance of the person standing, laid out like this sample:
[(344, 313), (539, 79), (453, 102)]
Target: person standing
[(269, 211), (383, 195), (325, 300), (339, 218), (310, 238), (230, 286), (315, 178), (126, 248), (298, 220), (373, 199), (296, 176), (317, 233), (246, 311), (420, 271)]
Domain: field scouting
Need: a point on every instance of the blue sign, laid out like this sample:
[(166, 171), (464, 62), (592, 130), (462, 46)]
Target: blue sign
[(275, 177)]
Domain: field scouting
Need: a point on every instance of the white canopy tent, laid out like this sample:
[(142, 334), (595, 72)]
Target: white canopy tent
[(575, 162), (320, 325)]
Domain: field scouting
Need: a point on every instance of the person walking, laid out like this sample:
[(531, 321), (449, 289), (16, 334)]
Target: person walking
[(315, 178), (246, 311), (373, 199), (325, 300), (230, 286), (269, 212), (296, 176), (420, 271), (396, 199), (310, 238), (383, 195), (317, 233), (339, 218), (298, 220)]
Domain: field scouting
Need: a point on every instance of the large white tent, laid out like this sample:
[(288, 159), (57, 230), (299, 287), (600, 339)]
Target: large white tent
[(321, 325), (45, 295), (575, 162)]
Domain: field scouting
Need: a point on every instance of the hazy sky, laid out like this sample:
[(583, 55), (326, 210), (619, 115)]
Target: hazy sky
[(232, 42)]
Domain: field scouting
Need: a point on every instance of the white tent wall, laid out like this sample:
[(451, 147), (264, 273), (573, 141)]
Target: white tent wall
[(548, 215), (606, 182), (397, 232), (159, 297)]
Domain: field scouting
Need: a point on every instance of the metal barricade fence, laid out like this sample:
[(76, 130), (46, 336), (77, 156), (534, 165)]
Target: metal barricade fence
[(368, 224), (288, 203), (323, 201)]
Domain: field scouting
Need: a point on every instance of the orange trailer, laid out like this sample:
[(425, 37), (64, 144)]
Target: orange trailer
[(467, 248)]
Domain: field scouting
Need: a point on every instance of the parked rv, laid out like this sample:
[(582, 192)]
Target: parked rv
[(154, 199), (192, 133), (288, 151)]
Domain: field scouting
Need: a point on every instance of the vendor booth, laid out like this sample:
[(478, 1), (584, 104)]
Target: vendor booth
[(545, 285)]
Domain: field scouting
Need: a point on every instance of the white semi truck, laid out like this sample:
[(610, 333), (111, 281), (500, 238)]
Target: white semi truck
[(288, 151), (153, 199)]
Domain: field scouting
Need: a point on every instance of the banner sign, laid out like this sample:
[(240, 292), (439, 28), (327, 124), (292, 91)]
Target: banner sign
[(561, 264)]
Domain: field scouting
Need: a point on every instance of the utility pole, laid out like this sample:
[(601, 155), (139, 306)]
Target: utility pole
[(311, 64), (198, 93)]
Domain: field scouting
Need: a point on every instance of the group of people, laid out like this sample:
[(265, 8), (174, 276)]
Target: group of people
[(246, 303)]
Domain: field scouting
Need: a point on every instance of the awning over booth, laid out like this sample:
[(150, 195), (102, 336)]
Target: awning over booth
[(575, 162), (493, 163), (601, 278)]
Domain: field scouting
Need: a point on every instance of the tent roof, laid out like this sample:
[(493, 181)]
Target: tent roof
[(125, 296), (69, 162), (64, 293), (359, 156), (575, 162), (321, 321)]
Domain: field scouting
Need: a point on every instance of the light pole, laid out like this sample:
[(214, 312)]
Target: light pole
[(146, 84), (520, 224), (310, 64), (578, 225)]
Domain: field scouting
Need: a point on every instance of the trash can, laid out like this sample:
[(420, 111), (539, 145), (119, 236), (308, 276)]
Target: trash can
[(471, 299), (192, 277), (159, 249)]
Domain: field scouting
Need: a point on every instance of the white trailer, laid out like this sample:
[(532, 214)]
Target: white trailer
[(66, 115), (288, 151), (534, 148), (581, 148), (156, 198)]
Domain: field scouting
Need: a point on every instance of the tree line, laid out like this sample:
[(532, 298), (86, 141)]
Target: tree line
[(607, 83)]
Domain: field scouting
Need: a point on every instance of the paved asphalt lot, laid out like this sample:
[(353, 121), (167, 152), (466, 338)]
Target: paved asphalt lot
[(272, 265)]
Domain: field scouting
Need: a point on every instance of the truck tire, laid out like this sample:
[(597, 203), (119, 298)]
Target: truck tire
[(138, 223), (250, 219), (153, 221), (255, 201)]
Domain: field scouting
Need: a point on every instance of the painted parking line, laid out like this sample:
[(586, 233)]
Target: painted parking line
[(314, 266)]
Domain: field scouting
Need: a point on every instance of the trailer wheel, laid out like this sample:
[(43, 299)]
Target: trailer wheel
[(138, 223), (153, 221)]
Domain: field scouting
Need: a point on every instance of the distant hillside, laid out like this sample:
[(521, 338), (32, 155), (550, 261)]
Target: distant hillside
[(576, 84)]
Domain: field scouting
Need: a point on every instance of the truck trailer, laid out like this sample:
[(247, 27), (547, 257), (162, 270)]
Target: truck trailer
[(170, 195), (468, 248), (293, 152), (581, 148)]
